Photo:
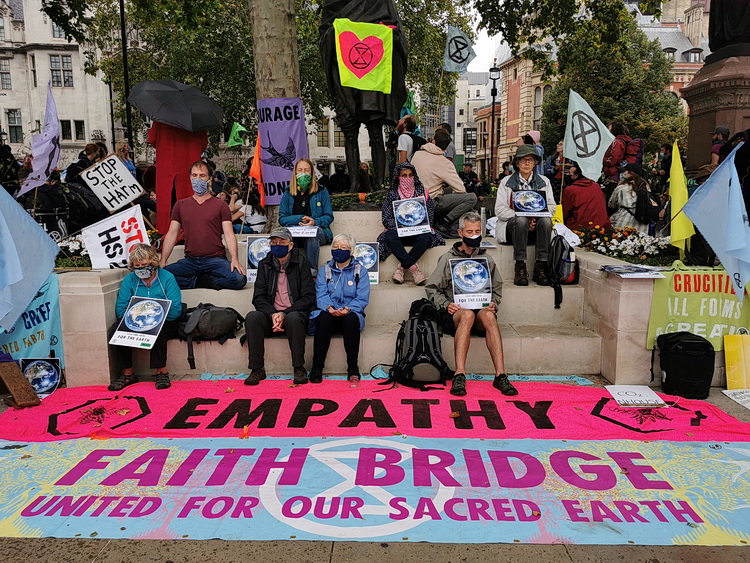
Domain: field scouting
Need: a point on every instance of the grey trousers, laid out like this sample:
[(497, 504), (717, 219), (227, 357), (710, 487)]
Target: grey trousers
[(452, 206), (518, 232)]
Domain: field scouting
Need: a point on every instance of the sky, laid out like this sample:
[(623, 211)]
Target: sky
[(485, 48)]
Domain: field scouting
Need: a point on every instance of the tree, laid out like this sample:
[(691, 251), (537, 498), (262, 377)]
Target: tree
[(622, 78)]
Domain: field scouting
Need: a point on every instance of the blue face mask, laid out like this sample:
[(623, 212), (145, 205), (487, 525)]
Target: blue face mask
[(279, 250), (340, 255), (200, 187)]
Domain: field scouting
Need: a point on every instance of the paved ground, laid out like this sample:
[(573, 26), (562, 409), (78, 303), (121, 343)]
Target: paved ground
[(50, 550)]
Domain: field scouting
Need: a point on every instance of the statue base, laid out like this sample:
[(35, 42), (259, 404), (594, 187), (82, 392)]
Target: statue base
[(718, 95)]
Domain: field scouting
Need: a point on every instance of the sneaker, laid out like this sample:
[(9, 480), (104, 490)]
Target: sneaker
[(521, 276), (316, 375), (506, 387), (540, 274), (458, 387), (352, 374), (300, 376), (255, 377), (398, 275), (419, 277)]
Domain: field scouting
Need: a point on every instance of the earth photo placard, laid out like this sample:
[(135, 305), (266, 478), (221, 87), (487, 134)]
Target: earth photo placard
[(530, 203), (411, 216), (472, 284), (257, 249), (42, 373), (142, 322), (368, 254)]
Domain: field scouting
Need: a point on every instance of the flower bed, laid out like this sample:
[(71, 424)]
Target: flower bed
[(628, 244), (73, 253)]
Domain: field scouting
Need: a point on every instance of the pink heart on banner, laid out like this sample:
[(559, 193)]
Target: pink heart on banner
[(360, 57)]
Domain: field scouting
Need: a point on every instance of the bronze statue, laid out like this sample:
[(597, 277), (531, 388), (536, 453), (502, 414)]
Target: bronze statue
[(356, 107), (728, 24)]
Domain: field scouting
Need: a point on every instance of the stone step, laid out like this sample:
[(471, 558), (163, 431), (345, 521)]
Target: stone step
[(563, 349), (389, 303)]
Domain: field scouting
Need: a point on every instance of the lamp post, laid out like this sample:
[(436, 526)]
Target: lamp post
[(494, 76), (125, 75)]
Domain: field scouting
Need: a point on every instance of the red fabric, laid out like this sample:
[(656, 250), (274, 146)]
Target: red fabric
[(176, 150), (583, 201), (615, 155), (214, 409), (255, 172), (202, 223)]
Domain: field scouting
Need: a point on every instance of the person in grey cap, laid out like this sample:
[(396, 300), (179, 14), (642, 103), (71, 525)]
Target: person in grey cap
[(283, 297), (719, 138), (512, 228)]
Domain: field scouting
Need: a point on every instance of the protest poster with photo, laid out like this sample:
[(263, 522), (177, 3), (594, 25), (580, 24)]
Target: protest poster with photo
[(472, 283), (411, 216), (110, 241), (368, 254), (44, 374), (530, 203), (257, 249), (142, 322), (303, 231), (112, 183)]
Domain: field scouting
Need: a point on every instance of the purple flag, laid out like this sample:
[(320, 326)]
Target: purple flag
[(45, 147), (283, 141)]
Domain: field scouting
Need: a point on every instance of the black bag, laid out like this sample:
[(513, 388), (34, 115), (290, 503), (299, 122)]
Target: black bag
[(417, 142), (687, 361), (208, 322), (419, 357), (562, 266), (647, 207)]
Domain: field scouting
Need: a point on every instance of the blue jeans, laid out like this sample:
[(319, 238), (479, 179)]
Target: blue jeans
[(311, 246), (187, 270)]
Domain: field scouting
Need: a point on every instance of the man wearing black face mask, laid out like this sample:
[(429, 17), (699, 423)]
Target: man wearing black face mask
[(462, 323), (283, 297)]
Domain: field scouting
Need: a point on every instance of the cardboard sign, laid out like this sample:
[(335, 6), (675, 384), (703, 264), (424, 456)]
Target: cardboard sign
[(303, 231), (112, 183), (142, 322), (472, 283), (110, 241), (411, 216), (530, 203), (257, 249), (635, 396), (368, 254)]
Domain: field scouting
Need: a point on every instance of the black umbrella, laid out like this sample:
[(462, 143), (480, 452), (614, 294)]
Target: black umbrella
[(177, 104)]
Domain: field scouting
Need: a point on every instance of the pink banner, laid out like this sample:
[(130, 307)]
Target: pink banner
[(333, 409)]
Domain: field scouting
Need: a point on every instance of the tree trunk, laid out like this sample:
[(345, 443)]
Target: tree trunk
[(275, 54)]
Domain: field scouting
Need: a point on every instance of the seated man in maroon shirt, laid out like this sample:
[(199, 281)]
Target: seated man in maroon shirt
[(583, 202), (204, 219)]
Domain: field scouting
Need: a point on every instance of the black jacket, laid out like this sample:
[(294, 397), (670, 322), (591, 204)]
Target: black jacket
[(299, 278)]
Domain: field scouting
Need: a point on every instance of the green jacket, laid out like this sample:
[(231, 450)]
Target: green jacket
[(439, 287)]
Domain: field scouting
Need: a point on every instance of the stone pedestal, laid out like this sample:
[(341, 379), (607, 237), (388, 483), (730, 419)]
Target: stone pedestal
[(719, 94)]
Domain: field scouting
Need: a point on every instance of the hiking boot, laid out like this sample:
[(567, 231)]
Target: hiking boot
[(300, 376), (506, 387), (458, 387), (540, 274), (521, 276), (398, 275), (255, 377), (419, 277), (316, 375)]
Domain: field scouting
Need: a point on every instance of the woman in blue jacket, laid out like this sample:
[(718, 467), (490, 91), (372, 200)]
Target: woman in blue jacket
[(306, 203), (342, 293), (146, 279)]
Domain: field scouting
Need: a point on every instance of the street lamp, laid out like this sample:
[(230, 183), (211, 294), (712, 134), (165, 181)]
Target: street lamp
[(494, 76)]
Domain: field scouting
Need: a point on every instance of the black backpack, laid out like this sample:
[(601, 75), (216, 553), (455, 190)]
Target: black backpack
[(208, 322), (647, 207), (417, 142), (419, 357), (687, 361), (562, 266)]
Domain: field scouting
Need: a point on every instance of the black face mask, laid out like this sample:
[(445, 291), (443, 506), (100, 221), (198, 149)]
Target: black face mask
[(473, 242)]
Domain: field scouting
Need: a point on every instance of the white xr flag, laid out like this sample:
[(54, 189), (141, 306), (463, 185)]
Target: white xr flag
[(45, 147), (586, 137)]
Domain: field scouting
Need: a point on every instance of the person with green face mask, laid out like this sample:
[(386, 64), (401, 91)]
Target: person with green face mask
[(308, 204)]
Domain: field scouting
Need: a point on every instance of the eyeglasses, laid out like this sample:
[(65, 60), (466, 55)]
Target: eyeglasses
[(279, 242), (527, 159)]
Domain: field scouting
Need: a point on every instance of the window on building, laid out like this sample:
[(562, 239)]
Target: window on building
[(15, 128), (33, 70), (460, 111), (5, 74), (515, 74), (57, 31), (65, 130), (694, 56), (323, 133), (61, 70), (547, 90), (2, 28), (80, 128), (338, 136), (470, 141), (537, 108), (670, 53), (479, 93)]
